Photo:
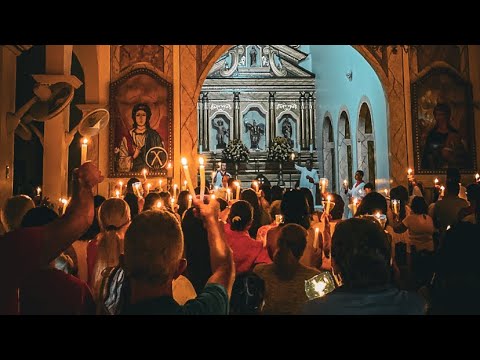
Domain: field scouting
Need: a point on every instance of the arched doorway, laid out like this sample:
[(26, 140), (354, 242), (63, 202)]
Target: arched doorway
[(345, 163), (366, 144), (329, 170)]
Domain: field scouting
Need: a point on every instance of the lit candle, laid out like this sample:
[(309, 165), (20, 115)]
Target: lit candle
[(212, 197), (120, 183), (187, 176), (409, 172), (117, 194), (327, 210), (443, 190), (202, 177), (323, 185), (148, 188), (435, 181), (39, 190), (345, 183), (169, 170), (184, 187), (477, 176), (172, 202), (315, 239), (160, 184), (64, 202), (175, 187), (159, 204), (144, 171), (396, 204), (293, 156), (190, 199), (237, 184), (228, 194), (83, 155), (386, 192), (255, 185), (354, 206)]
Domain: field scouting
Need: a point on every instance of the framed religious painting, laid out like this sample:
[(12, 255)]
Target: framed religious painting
[(141, 124), (442, 123)]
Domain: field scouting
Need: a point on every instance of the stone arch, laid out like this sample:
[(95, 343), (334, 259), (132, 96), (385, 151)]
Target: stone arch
[(366, 142), (345, 157), (329, 169)]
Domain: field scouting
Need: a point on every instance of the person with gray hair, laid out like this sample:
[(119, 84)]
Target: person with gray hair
[(13, 211)]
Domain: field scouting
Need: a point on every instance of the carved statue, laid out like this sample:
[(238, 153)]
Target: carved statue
[(256, 132), (287, 131), (253, 56), (222, 133)]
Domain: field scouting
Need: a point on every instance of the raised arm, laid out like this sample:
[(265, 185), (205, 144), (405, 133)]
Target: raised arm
[(221, 258), (60, 234)]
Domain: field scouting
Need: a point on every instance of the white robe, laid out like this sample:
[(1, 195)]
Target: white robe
[(305, 183), (219, 177), (358, 192)]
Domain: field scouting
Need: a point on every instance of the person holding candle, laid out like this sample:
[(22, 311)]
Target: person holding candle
[(218, 179), (308, 178), (140, 139), (357, 191)]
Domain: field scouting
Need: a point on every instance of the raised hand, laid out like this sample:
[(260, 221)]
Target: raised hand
[(88, 175)]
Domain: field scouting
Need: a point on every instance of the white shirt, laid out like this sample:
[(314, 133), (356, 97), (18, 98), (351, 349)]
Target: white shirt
[(357, 191), (218, 178), (304, 182)]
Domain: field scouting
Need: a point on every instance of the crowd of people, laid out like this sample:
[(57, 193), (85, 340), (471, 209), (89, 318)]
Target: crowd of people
[(255, 254)]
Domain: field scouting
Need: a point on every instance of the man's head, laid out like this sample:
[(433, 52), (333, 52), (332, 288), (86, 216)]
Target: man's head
[(309, 164), (13, 211), (223, 166), (154, 248), (359, 175), (368, 187)]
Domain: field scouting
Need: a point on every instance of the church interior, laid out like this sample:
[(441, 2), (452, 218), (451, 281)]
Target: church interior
[(250, 112)]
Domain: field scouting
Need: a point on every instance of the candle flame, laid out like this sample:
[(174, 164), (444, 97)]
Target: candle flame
[(149, 186), (117, 193), (159, 204), (477, 176), (184, 161), (144, 171), (377, 214), (190, 197), (200, 160), (236, 183), (317, 230), (442, 187), (435, 181), (212, 196), (85, 141), (169, 165), (329, 198), (409, 171), (120, 183)]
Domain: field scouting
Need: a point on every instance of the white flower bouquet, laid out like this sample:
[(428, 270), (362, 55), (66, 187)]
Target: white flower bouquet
[(235, 151), (280, 149)]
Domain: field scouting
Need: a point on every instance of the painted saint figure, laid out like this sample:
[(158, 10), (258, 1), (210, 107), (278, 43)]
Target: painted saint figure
[(134, 147), (253, 56), (222, 132), (256, 132), (287, 131)]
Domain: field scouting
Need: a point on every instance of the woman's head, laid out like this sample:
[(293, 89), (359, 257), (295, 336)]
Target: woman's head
[(130, 183), (292, 239), (248, 294), (442, 113), (151, 201), (14, 209), (309, 197), (337, 211), (141, 115), (182, 201), (113, 215), (241, 216), (294, 208), (419, 206), (372, 203), (361, 253)]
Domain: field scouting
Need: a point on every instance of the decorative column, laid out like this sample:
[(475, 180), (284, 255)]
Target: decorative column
[(303, 121), (236, 115), (200, 122), (271, 115), (206, 122), (8, 64), (311, 120)]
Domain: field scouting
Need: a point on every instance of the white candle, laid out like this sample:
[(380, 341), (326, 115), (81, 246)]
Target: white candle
[(169, 170), (39, 190), (175, 187), (160, 184), (315, 239), (190, 199), (477, 176), (212, 197), (202, 177), (293, 156), (64, 202), (117, 194), (148, 188), (386, 192), (396, 204), (237, 184), (120, 183), (323, 185), (229, 194), (144, 171), (327, 210), (172, 202), (443, 190), (83, 155), (187, 176), (354, 206)]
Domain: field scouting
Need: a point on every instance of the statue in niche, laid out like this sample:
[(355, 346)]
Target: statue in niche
[(253, 56), (222, 133), (287, 131), (256, 132)]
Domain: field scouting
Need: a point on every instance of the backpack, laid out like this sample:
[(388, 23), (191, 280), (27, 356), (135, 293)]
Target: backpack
[(114, 290)]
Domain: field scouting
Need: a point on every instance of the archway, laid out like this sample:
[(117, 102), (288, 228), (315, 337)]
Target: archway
[(366, 144), (329, 170), (345, 163)]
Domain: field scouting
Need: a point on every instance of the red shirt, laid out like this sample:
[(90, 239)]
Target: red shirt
[(53, 292), (246, 251), (19, 257)]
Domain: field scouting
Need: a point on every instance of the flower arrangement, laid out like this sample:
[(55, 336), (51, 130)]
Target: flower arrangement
[(280, 149), (235, 151)]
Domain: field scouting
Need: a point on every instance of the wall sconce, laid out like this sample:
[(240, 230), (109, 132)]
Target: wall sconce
[(349, 75)]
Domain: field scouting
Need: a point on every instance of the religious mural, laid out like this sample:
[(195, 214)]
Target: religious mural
[(141, 124)]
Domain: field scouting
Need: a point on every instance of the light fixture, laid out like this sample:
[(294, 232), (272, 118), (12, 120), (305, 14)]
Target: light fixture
[(349, 75)]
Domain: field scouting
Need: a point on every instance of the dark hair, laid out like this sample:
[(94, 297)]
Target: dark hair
[(444, 108), (473, 194), (453, 187), (98, 200), (182, 202), (148, 112), (197, 250), (337, 211), (295, 209), (369, 185), (276, 193), (309, 197), (151, 201), (267, 192), (360, 172), (453, 174), (132, 202), (372, 203), (455, 288), (419, 206), (248, 294), (292, 240), (38, 216), (362, 252), (130, 183), (240, 215), (251, 197), (223, 203)]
